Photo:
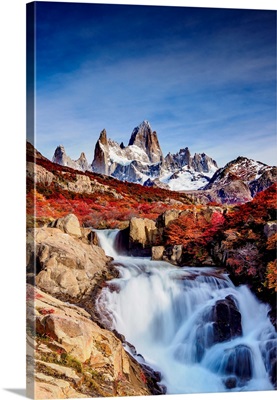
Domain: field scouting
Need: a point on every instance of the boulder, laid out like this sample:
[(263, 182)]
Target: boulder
[(174, 254), (142, 234), (238, 361), (157, 252), (270, 228), (227, 320), (68, 224), (166, 217), (65, 265)]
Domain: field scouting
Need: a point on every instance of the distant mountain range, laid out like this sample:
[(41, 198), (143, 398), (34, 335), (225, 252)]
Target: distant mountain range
[(142, 162)]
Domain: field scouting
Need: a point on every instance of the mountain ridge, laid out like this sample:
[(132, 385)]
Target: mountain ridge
[(142, 161)]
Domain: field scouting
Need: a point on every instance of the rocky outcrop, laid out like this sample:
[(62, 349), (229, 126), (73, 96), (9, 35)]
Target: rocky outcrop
[(60, 157), (144, 138), (165, 218), (198, 163), (142, 235), (73, 357), (65, 266), (157, 252), (76, 183), (101, 155), (83, 163), (233, 192), (174, 254), (266, 178), (239, 181), (68, 224), (38, 174)]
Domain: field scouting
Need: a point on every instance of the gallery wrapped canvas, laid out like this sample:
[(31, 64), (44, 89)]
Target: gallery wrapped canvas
[(151, 200)]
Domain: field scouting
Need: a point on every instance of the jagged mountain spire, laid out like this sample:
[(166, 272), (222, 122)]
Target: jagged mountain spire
[(100, 162), (143, 137), (60, 157), (142, 161)]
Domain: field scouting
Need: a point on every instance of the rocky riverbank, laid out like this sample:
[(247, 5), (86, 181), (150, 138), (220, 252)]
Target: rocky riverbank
[(69, 353)]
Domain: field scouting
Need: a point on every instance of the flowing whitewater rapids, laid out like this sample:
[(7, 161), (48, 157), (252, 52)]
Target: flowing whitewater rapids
[(167, 313)]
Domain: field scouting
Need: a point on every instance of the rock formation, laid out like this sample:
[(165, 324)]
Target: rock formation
[(240, 180), (60, 157), (101, 154), (72, 357), (142, 161), (144, 138), (64, 264)]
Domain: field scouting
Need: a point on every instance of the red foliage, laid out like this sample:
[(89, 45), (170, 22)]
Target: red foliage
[(46, 311), (196, 228), (143, 377)]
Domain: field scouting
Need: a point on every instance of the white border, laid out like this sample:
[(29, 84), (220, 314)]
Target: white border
[(12, 84)]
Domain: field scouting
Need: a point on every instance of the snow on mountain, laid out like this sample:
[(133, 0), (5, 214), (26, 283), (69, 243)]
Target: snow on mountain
[(142, 161), (186, 178), (241, 168), (240, 180)]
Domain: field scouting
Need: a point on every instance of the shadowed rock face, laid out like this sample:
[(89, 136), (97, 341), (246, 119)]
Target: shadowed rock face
[(227, 319), (238, 363), (224, 320), (101, 154)]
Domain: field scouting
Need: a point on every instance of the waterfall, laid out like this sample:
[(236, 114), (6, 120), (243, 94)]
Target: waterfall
[(107, 239), (192, 324)]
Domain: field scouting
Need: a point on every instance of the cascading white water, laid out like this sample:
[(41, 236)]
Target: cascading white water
[(168, 314)]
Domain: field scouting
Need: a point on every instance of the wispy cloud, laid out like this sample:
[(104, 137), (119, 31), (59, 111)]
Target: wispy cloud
[(212, 90)]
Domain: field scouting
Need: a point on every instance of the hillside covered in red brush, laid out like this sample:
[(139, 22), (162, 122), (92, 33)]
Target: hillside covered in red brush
[(241, 238), (102, 202)]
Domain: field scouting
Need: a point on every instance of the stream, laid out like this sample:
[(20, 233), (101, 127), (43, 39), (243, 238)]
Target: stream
[(192, 324)]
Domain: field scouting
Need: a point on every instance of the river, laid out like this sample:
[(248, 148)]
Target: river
[(192, 324)]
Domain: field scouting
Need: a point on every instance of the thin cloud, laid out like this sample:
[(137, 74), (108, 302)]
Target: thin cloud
[(197, 87)]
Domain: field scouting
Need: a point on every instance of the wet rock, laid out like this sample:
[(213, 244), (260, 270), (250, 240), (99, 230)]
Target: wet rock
[(93, 238), (173, 254), (122, 241), (238, 361), (273, 373), (153, 377), (227, 319), (269, 354), (230, 382)]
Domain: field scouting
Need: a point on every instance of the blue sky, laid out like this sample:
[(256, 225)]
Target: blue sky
[(203, 78)]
